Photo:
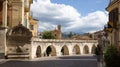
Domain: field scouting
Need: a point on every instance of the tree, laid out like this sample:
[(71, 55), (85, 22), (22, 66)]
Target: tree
[(48, 35), (98, 53)]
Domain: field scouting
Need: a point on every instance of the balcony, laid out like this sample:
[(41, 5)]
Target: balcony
[(26, 8)]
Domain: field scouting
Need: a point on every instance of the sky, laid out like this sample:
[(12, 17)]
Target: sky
[(79, 16)]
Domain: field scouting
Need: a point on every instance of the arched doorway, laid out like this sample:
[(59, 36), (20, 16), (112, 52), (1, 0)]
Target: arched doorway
[(93, 49), (51, 51), (38, 51), (65, 50), (76, 50), (86, 49)]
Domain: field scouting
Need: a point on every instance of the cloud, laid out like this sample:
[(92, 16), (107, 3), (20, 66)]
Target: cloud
[(51, 14)]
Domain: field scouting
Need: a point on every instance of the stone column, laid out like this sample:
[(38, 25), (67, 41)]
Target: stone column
[(58, 51), (81, 48), (2, 44), (22, 18), (90, 48), (4, 13), (3, 47), (32, 49), (70, 50)]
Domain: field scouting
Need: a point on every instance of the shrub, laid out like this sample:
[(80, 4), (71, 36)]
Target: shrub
[(112, 58), (98, 50)]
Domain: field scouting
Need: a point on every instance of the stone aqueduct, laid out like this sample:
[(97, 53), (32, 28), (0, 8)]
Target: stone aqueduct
[(52, 47), (20, 43)]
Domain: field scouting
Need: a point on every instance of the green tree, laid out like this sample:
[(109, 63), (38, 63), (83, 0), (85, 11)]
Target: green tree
[(48, 35)]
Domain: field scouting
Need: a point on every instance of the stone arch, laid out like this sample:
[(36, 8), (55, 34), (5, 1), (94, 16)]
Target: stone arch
[(86, 49), (65, 50), (76, 50), (51, 51), (38, 51), (93, 49)]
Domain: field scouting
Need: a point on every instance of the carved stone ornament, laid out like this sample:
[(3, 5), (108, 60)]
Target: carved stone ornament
[(19, 34)]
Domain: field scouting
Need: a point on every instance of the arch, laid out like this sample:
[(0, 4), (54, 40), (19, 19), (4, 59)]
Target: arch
[(65, 50), (51, 51), (86, 50), (38, 51), (76, 50), (93, 49)]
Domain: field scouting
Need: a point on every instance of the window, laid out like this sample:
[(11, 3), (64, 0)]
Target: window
[(113, 16)]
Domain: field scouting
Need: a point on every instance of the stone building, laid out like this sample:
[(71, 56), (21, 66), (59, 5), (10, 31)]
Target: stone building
[(57, 32), (16, 27), (114, 17), (33, 26)]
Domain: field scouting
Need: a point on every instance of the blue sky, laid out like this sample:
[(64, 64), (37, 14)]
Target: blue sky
[(80, 16), (85, 6)]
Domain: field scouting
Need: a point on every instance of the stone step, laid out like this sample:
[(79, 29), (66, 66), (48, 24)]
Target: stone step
[(18, 53), (18, 56)]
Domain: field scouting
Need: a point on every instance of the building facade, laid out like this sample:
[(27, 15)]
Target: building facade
[(15, 24), (114, 18), (57, 32)]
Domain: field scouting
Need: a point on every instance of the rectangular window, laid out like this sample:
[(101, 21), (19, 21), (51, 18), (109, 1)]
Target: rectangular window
[(113, 17)]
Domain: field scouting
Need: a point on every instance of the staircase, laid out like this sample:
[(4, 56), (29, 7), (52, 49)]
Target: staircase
[(18, 56)]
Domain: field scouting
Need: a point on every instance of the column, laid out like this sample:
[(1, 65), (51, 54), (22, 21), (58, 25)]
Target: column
[(5, 13), (3, 31), (90, 48), (22, 19), (32, 55)]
